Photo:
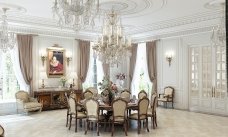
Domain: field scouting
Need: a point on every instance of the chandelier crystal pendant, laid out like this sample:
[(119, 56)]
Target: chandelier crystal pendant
[(218, 36), (7, 39), (112, 46), (78, 14)]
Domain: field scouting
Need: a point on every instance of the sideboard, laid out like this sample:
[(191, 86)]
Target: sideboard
[(55, 98)]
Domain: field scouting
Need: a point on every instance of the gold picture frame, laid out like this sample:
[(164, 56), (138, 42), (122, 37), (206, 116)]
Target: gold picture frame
[(56, 62)]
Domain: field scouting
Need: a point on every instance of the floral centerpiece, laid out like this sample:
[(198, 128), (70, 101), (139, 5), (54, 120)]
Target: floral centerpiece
[(108, 89), (120, 76), (63, 80)]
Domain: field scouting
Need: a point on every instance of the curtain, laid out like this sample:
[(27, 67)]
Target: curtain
[(132, 62), (106, 69), (151, 63), (16, 68), (83, 61), (25, 43)]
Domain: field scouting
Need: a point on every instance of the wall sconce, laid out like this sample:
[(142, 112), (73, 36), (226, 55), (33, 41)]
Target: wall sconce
[(43, 58), (68, 58), (169, 56)]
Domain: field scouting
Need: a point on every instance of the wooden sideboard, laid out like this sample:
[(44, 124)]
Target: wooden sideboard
[(55, 98)]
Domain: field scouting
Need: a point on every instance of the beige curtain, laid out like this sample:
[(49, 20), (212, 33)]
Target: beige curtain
[(106, 69), (25, 43), (132, 62), (83, 61), (151, 63)]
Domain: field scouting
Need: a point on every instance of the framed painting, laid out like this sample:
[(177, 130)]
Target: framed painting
[(55, 62)]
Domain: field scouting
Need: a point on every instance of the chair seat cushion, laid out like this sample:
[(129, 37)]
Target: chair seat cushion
[(118, 119), (101, 118), (32, 105), (135, 116), (162, 99), (81, 115)]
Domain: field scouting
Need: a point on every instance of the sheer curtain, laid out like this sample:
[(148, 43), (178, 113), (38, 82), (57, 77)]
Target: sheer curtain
[(95, 72), (16, 68), (141, 78)]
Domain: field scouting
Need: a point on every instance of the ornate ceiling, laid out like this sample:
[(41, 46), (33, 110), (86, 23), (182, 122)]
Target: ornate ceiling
[(142, 19)]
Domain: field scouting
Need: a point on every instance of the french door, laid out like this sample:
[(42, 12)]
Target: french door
[(207, 79)]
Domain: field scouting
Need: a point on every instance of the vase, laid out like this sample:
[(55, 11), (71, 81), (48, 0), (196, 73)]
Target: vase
[(63, 84)]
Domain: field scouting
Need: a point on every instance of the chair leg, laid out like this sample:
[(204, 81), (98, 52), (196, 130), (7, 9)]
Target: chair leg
[(125, 127), (172, 105), (67, 119), (156, 119), (147, 125), (86, 126), (112, 128), (98, 128), (76, 125), (70, 121), (139, 125)]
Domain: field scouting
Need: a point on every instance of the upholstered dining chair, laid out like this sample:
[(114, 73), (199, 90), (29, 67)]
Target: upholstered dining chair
[(26, 103), (126, 95), (93, 90), (167, 96), (119, 107), (2, 131), (74, 113), (143, 104), (142, 94), (151, 112), (87, 94), (92, 113)]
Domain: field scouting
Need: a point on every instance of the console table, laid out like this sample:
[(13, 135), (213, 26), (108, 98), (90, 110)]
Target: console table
[(55, 98)]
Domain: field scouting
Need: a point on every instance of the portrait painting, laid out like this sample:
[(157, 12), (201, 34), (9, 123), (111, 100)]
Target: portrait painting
[(55, 62)]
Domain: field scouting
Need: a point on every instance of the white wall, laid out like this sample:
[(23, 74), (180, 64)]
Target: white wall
[(176, 75), (40, 44)]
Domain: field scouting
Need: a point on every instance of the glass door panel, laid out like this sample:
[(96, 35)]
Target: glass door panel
[(206, 72), (194, 72), (220, 72)]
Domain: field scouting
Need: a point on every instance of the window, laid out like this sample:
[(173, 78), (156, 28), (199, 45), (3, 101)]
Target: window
[(8, 82), (141, 79), (95, 72)]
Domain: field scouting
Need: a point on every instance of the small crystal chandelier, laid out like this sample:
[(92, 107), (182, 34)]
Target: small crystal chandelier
[(112, 46), (78, 14), (218, 36), (7, 39)]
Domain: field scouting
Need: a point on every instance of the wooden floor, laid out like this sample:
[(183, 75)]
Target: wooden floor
[(171, 123)]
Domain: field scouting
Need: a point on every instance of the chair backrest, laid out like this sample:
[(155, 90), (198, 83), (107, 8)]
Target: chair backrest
[(94, 90), (119, 107), (22, 95), (88, 94), (126, 95), (92, 109), (72, 105), (169, 91), (142, 94), (143, 107)]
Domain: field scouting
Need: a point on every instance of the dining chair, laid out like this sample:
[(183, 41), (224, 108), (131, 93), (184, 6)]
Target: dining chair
[(92, 114), (143, 104), (2, 131), (126, 95), (119, 107), (151, 112), (87, 94), (74, 113), (93, 90), (167, 96), (142, 94)]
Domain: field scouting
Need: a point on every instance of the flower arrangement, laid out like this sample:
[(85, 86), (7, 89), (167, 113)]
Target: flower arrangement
[(63, 80), (108, 88), (121, 76)]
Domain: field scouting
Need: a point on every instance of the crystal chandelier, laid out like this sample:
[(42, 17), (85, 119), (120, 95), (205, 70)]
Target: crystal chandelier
[(7, 39), (78, 14), (218, 36), (112, 46)]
